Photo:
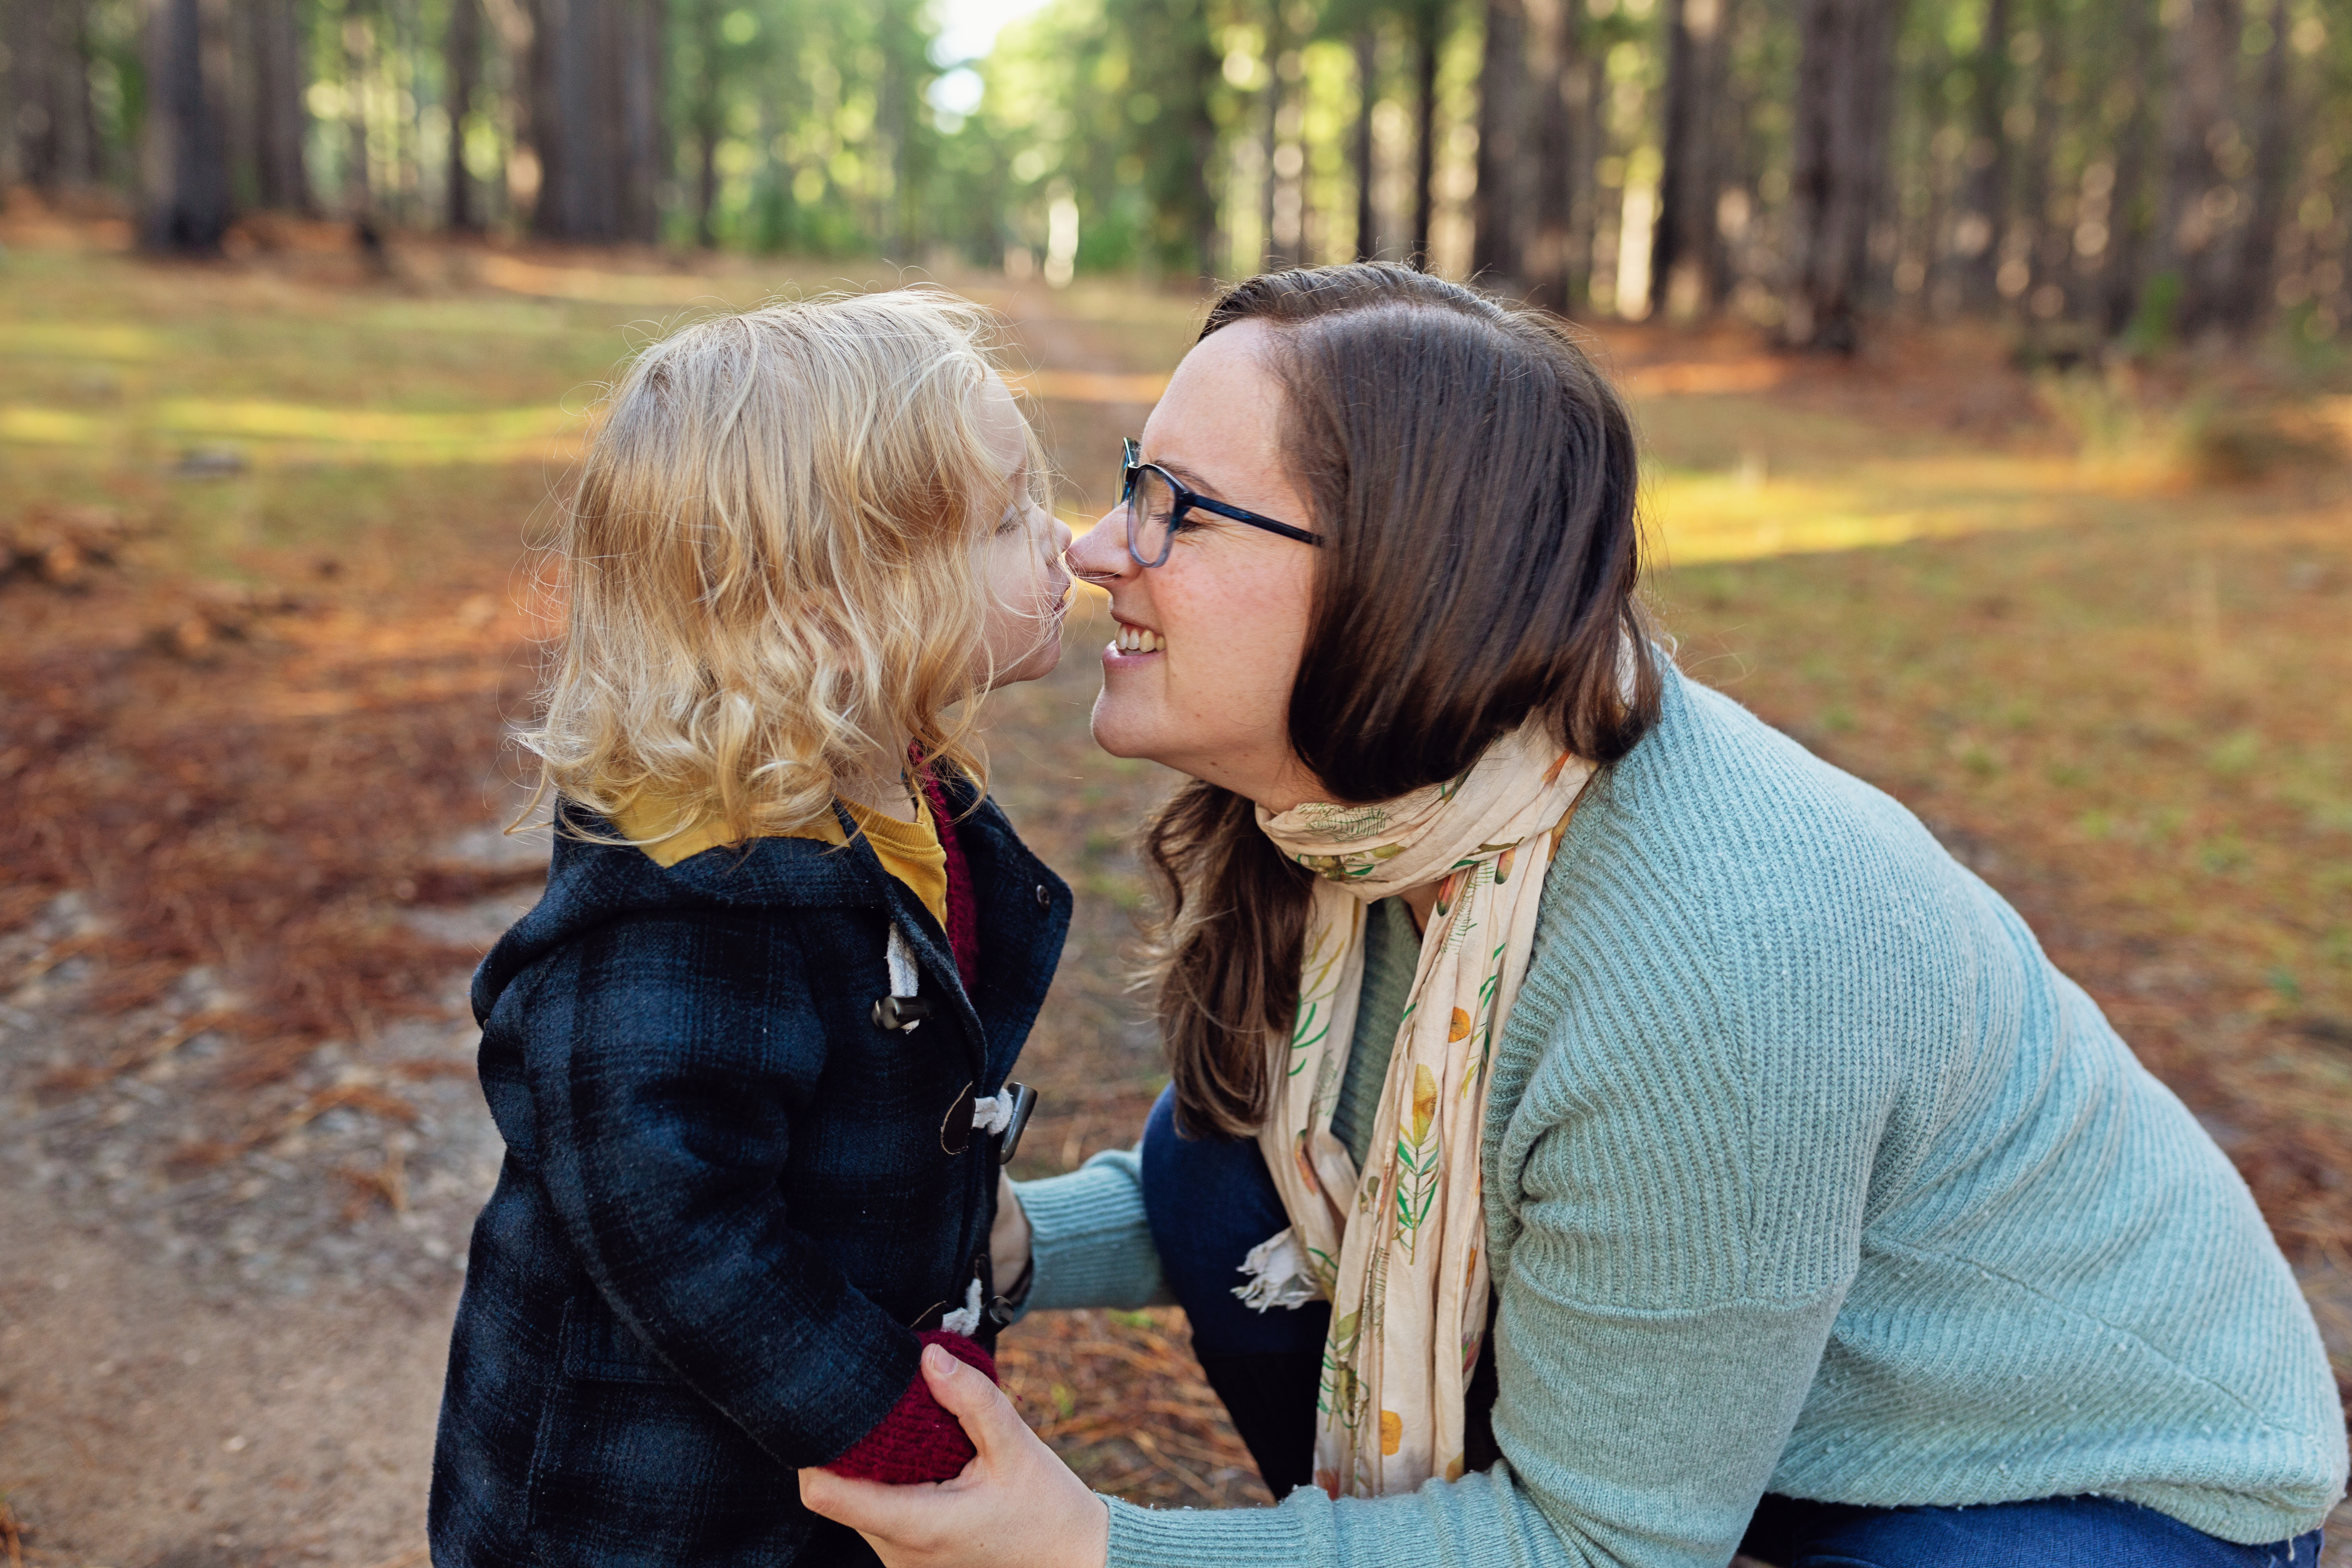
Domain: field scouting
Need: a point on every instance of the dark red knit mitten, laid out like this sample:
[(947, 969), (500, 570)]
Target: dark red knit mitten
[(919, 1440)]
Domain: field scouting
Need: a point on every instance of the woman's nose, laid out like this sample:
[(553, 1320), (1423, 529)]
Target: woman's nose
[(1099, 554)]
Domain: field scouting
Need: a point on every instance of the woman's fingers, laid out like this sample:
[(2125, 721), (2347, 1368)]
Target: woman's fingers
[(1015, 1506), (867, 1507), (971, 1397)]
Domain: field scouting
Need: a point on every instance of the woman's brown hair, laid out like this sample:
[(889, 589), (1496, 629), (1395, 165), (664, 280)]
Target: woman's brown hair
[(1474, 477)]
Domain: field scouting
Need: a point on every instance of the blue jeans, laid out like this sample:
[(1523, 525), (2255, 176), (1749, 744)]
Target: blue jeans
[(1211, 1200), (2054, 1532)]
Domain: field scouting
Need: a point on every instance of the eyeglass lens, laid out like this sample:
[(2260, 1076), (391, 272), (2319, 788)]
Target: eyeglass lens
[(1150, 512)]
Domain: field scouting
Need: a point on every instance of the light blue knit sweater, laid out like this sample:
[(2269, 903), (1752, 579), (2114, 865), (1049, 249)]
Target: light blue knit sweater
[(1805, 1172)]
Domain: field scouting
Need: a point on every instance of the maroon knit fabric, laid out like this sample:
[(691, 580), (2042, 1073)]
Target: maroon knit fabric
[(919, 1440), (963, 919)]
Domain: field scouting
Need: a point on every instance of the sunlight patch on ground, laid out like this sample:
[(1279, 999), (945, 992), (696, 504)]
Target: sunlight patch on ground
[(276, 433), (1710, 516), (286, 421), (80, 339), (51, 426)]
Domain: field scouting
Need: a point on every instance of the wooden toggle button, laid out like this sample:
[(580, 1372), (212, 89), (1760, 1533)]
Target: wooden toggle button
[(1025, 1101), (900, 1012)]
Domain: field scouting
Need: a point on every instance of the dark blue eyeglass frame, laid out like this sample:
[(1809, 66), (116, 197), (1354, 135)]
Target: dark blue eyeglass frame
[(1186, 499)]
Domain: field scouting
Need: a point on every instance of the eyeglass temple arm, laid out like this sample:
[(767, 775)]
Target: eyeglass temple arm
[(1288, 530)]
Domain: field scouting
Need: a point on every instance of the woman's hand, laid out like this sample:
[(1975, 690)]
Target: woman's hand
[(1015, 1506)]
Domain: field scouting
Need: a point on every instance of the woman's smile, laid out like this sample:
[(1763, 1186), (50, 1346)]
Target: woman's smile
[(1132, 642)]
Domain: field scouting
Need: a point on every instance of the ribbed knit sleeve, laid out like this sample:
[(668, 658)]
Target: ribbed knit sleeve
[(1479, 1522), (1090, 1245)]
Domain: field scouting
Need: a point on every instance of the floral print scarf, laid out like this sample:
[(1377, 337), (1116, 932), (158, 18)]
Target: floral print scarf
[(1397, 1247)]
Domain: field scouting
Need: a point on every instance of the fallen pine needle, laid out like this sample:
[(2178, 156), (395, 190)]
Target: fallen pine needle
[(388, 1181), (1168, 1462)]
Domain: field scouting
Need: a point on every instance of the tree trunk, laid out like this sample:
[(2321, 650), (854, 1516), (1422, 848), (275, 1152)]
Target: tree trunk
[(1428, 32), (575, 189), (283, 77), (359, 201), (506, 74), (595, 120), (403, 43), (894, 125), (1685, 251), (1559, 248), (2197, 197), (2032, 242), (465, 68), (1498, 214), (28, 144), (1732, 207), (1985, 213), (644, 63), (1200, 58), (2129, 216), (184, 190), (705, 121), (2248, 298), (1845, 93), (1368, 59), (47, 47), (706, 185), (1277, 39), (1184, 207)]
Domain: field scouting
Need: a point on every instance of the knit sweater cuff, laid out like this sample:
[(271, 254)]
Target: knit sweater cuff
[(919, 1440), (1215, 1537), (1090, 1245)]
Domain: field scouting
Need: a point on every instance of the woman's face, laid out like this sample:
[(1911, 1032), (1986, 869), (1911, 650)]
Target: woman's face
[(1208, 644), (1021, 559)]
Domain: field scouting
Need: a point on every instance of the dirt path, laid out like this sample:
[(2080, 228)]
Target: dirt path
[(146, 1430), (239, 1363)]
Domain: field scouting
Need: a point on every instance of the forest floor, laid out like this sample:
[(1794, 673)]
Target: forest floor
[(265, 602)]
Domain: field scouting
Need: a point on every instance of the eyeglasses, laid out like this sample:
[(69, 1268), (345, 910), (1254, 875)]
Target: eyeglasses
[(1155, 502)]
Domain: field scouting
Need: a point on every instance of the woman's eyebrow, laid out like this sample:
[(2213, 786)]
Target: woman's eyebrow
[(1191, 478)]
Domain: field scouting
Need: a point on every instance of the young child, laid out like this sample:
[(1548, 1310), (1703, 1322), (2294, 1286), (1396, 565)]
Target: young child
[(749, 1053)]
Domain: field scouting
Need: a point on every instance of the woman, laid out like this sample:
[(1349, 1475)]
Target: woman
[(1736, 1172)]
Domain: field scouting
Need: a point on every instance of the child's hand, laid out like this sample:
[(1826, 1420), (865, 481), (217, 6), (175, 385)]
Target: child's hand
[(918, 1441), (1015, 1506)]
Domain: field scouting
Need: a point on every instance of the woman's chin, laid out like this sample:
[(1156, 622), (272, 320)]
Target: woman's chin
[(1116, 727)]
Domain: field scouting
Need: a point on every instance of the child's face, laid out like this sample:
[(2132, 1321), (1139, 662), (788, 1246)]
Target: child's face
[(1020, 560)]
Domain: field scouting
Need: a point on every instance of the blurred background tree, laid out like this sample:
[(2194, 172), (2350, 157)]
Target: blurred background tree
[(2084, 170)]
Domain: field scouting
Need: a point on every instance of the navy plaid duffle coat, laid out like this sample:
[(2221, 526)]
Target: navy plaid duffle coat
[(727, 1201)]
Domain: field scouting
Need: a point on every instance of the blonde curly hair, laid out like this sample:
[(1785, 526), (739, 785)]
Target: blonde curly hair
[(768, 562)]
